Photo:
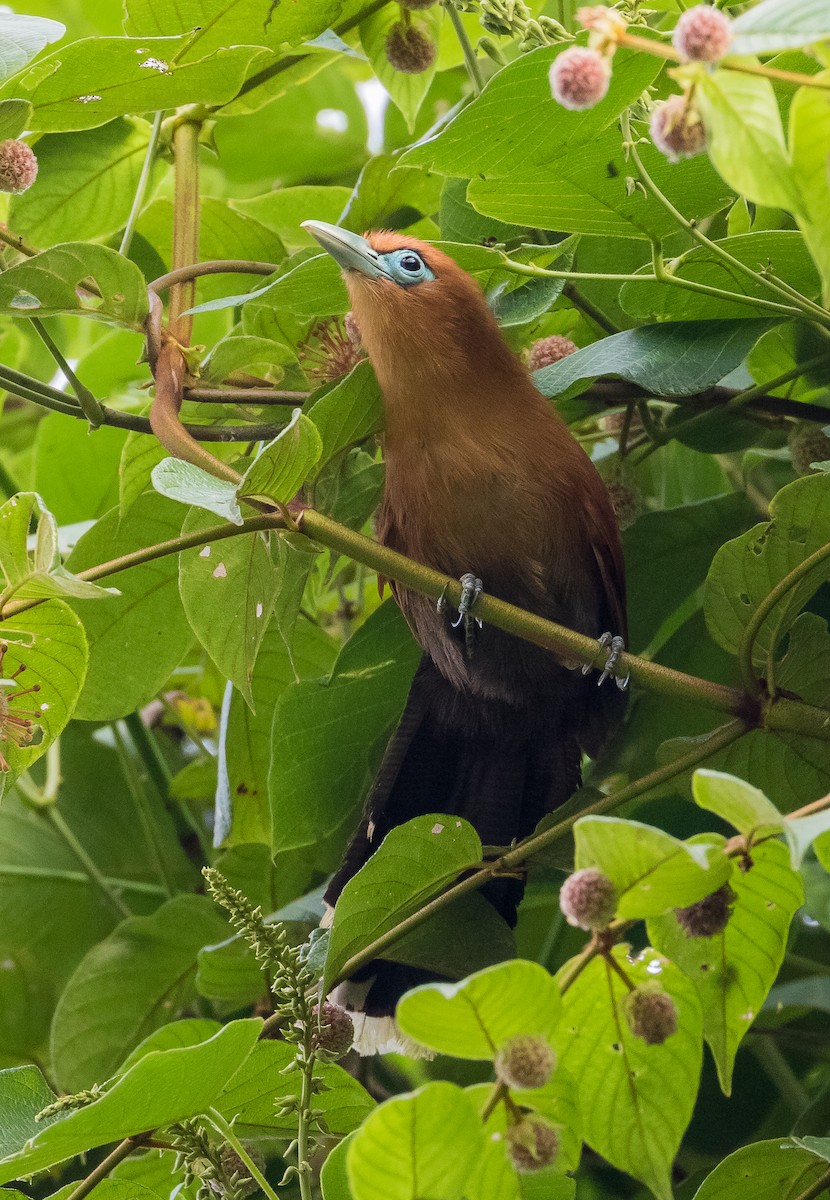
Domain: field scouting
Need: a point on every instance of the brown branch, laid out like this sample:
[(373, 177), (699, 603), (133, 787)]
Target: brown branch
[(122, 1150)]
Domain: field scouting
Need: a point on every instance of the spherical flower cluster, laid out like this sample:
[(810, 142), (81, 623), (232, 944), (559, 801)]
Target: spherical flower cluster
[(588, 899), (676, 129), (808, 444), (708, 916), (651, 1015), (18, 166), (525, 1062), (352, 330), (549, 350), (409, 49), (702, 34), (532, 1145), (606, 25), (626, 497), (333, 1030), (579, 78)]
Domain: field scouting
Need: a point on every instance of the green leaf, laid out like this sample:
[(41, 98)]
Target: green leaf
[(97, 1022), (86, 183), (140, 454), (95, 79), (189, 484), (23, 1094), (350, 412), (52, 282), (668, 553), (75, 469), (190, 1031), (15, 116), (350, 488), (214, 24), (635, 1099), (242, 810), (334, 1180), (802, 832), (260, 1088), (422, 1144), (223, 234), (495, 1178), (253, 355), (159, 1090), (589, 192), (780, 252), (737, 802), (516, 125), (329, 734), (734, 970), (407, 91), (388, 196), (412, 864), (21, 38), (49, 642), (651, 870), (229, 590), (780, 25), (284, 211), (138, 637), (745, 139), (51, 912), (283, 465), (467, 935), (474, 1018), (779, 1169), (677, 359), (42, 575), (809, 139), (745, 570)]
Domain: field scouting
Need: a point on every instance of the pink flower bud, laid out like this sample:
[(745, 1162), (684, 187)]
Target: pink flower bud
[(588, 899), (676, 129), (549, 350), (18, 166), (703, 34), (579, 78)]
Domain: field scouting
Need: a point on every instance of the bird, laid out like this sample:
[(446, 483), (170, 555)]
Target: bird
[(485, 483)]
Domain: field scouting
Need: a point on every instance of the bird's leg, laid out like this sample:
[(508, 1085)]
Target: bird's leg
[(615, 645), (471, 589)]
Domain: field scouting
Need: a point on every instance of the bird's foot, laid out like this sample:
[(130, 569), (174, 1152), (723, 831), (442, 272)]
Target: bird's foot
[(471, 589), (615, 645)]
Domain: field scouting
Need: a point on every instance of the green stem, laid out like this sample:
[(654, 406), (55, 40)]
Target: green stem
[(121, 1151), (813, 311), (224, 1128), (143, 184), (769, 602), (304, 1119), (11, 871), (90, 407), (820, 1187), (470, 60), (56, 401), (185, 224), (8, 485), (516, 858), (144, 811), (704, 289), (97, 877), (17, 242), (784, 714)]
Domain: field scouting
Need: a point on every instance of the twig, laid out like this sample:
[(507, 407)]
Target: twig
[(470, 60), (143, 184), (122, 1150)]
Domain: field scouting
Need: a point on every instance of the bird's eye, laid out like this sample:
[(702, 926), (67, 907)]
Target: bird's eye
[(411, 263)]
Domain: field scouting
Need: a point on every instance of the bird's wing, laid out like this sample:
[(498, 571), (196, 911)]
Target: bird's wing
[(605, 543)]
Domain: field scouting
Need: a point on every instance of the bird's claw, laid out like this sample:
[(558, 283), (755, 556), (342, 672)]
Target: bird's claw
[(471, 589), (615, 645)]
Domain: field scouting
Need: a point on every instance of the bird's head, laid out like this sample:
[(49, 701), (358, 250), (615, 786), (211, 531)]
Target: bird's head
[(417, 311)]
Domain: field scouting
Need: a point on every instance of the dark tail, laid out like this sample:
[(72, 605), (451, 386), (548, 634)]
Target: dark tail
[(498, 768)]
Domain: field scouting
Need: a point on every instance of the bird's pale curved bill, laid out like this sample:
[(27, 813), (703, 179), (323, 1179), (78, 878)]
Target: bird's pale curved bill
[(348, 249)]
